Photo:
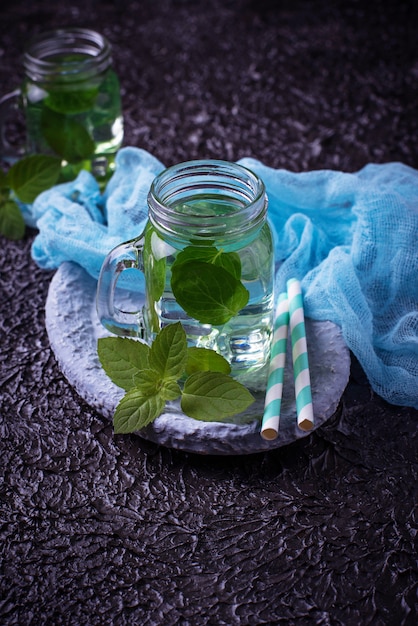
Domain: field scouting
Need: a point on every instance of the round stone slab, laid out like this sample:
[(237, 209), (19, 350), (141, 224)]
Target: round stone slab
[(73, 330)]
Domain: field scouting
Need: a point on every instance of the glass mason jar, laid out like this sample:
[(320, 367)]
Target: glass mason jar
[(71, 100), (206, 256)]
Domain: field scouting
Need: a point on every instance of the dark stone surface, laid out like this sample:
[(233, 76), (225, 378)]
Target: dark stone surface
[(104, 529)]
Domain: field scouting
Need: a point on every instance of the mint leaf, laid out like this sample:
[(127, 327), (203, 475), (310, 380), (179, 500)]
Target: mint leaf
[(154, 267), (71, 102), (122, 359), (136, 411), (213, 396), (230, 261), (169, 351), (4, 185), (203, 359), (207, 292), (67, 137), (170, 389), (32, 175), (148, 382), (154, 270), (12, 224)]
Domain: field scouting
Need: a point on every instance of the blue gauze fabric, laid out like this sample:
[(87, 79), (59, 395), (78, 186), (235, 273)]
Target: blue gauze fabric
[(350, 238), (77, 223)]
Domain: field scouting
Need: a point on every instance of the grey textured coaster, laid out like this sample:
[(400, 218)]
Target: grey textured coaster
[(73, 329)]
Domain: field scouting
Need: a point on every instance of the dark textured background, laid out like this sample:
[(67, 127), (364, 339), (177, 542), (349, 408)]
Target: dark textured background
[(102, 529)]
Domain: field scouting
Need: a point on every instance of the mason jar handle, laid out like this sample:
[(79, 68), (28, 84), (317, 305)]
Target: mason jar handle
[(9, 105), (128, 255)]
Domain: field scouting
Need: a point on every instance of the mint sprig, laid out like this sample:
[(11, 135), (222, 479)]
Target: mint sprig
[(153, 375), (25, 180)]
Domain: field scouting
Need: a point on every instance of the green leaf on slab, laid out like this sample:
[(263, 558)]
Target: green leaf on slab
[(170, 389), (150, 383), (213, 396), (168, 353), (135, 411), (204, 359), (122, 359)]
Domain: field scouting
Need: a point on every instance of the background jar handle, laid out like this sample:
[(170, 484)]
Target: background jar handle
[(118, 289), (10, 105)]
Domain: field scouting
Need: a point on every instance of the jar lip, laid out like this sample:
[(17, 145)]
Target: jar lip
[(175, 191), (207, 167), (94, 50)]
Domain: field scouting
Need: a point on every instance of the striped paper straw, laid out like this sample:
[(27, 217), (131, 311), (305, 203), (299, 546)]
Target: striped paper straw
[(301, 373), (272, 404)]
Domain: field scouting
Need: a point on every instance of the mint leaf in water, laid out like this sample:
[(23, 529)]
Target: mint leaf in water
[(154, 270), (12, 224), (202, 359), (122, 359), (154, 267), (213, 396), (230, 261), (67, 137), (71, 102), (208, 293), (32, 175)]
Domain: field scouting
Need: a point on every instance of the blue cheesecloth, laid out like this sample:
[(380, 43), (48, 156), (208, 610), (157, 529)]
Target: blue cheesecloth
[(350, 238)]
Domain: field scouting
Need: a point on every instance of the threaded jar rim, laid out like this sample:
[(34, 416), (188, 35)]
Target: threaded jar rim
[(198, 178), (92, 48)]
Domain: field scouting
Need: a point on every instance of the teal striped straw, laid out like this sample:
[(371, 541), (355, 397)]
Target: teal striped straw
[(303, 394), (272, 404)]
